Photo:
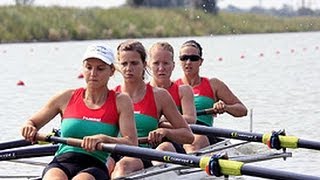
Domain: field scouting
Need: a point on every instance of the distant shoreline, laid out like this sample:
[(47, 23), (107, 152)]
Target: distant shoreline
[(54, 24)]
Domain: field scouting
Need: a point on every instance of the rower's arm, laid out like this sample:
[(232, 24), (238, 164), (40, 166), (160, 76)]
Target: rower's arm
[(187, 104), (233, 105), (127, 123), (181, 132)]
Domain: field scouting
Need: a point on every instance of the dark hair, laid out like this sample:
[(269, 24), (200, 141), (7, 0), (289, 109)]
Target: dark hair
[(193, 43), (133, 45)]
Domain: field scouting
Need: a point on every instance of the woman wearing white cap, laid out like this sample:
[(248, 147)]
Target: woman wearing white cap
[(94, 113)]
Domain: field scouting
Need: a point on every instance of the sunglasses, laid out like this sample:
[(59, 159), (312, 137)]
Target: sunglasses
[(190, 57)]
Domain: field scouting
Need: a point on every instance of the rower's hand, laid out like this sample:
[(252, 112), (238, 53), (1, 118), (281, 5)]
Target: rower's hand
[(29, 132), (220, 107), (155, 137), (90, 143)]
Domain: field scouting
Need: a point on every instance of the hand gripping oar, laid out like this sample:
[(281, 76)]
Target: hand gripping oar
[(23, 142), (274, 140), (206, 111), (210, 164)]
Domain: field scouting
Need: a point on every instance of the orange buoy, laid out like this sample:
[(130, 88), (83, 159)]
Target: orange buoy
[(20, 83), (80, 76)]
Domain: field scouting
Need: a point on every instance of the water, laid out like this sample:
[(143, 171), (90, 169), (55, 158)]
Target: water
[(275, 75)]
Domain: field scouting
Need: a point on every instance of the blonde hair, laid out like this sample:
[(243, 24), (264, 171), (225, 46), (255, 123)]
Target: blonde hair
[(163, 45)]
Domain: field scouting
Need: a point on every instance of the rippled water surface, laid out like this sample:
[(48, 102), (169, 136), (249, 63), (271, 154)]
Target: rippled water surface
[(275, 75)]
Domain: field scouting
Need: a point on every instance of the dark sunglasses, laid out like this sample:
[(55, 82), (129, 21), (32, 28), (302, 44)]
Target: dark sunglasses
[(191, 57)]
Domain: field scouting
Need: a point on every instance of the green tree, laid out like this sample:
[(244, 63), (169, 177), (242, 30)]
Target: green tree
[(24, 2)]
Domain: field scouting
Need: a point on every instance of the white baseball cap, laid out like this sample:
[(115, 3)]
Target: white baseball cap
[(102, 52)]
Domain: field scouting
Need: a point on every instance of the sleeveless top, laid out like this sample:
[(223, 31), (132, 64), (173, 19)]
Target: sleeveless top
[(78, 121), (174, 92), (203, 99), (145, 113)]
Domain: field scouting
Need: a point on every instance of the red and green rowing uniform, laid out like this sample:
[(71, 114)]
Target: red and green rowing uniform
[(174, 92), (78, 121), (203, 99), (145, 113)]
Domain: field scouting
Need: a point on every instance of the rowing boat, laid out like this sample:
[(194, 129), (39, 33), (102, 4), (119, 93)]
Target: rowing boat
[(234, 149), (192, 166)]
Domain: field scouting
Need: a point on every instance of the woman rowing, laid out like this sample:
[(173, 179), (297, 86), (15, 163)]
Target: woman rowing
[(150, 103), (208, 93), (94, 114), (161, 63)]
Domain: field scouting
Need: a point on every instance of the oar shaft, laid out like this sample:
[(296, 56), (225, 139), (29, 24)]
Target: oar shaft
[(285, 141), (14, 144), (274, 174), (28, 152), (309, 144), (132, 151), (151, 154), (212, 131)]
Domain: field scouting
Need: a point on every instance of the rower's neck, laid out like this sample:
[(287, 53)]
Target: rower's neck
[(95, 97), (192, 80), (166, 84), (136, 90)]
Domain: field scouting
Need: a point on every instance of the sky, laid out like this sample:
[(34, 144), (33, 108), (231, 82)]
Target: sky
[(313, 4)]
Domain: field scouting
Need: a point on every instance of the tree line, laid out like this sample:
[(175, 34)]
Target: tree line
[(209, 6)]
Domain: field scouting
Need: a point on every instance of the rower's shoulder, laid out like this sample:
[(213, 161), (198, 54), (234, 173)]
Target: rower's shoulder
[(214, 81), (185, 89), (160, 93), (64, 93), (122, 97)]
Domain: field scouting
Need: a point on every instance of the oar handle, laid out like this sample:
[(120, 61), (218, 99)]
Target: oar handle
[(143, 140), (49, 138), (207, 111), (77, 142)]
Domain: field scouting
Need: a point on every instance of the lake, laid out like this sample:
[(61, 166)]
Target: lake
[(275, 75)]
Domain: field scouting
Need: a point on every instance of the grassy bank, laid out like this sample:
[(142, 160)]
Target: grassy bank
[(29, 24)]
